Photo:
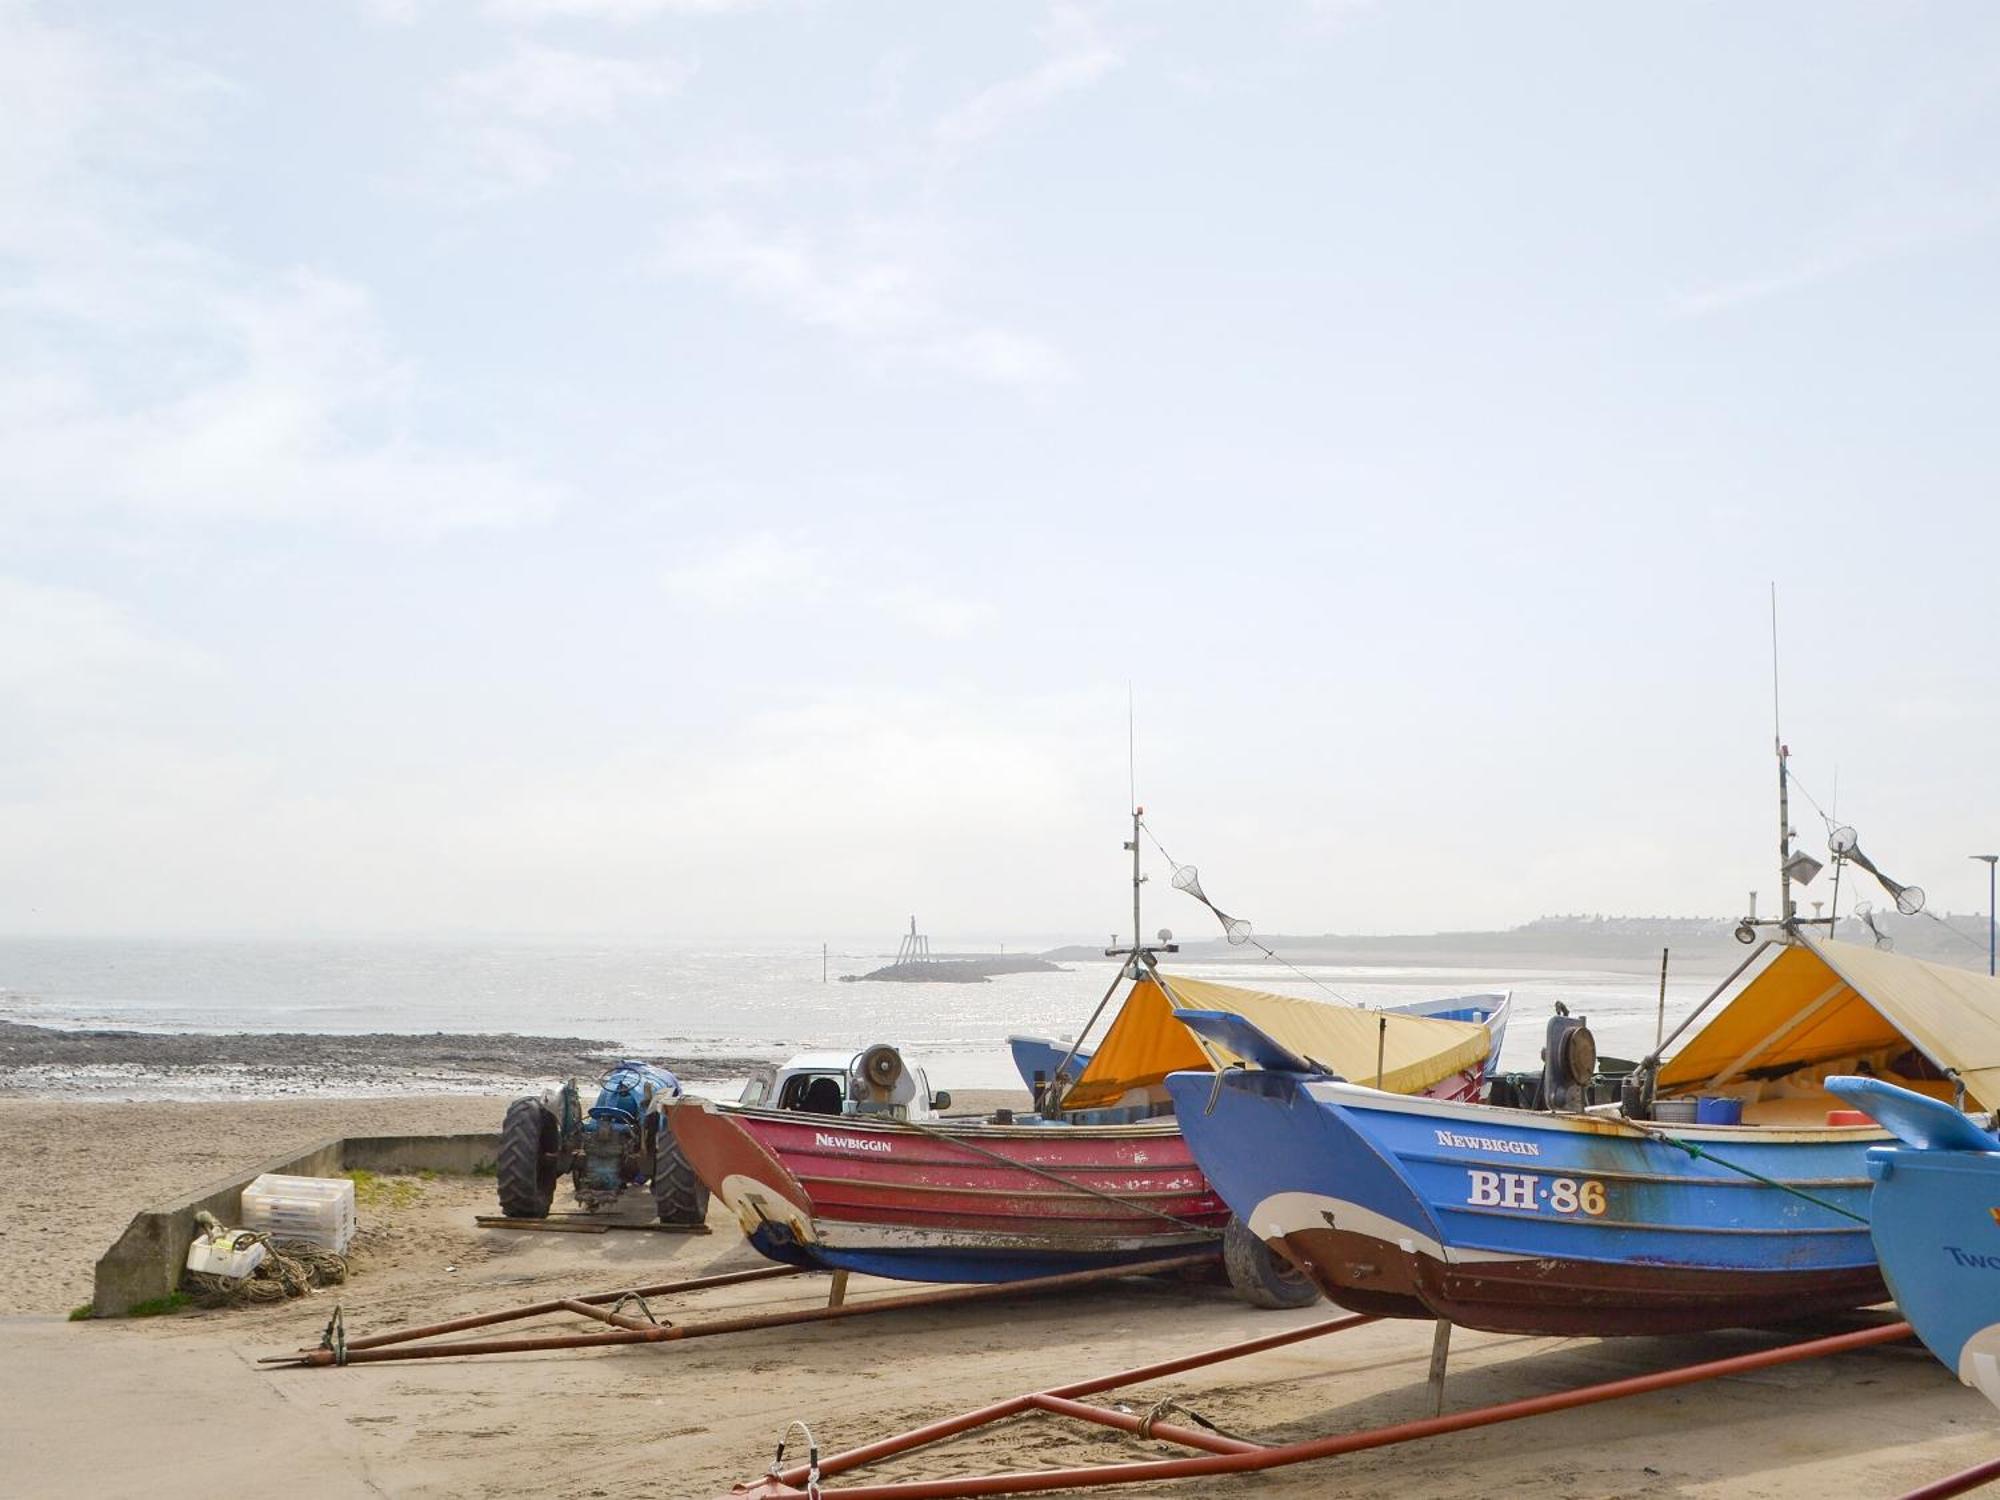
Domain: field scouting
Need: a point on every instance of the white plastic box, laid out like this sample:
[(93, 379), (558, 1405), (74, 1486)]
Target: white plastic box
[(220, 1253), (319, 1210)]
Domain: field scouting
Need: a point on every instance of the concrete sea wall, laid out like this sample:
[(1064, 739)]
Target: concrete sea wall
[(146, 1262)]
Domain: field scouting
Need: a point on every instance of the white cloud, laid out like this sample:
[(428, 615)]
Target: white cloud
[(140, 372), (68, 649), (1728, 296), (837, 808), (1905, 217), (832, 810), (549, 84), (622, 11), (871, 289), (1330, 14), (764, 571), (296, 411), (935, 613), (393, 12), (1001, 356), (753, 571), (512, 126), (1078, 56)]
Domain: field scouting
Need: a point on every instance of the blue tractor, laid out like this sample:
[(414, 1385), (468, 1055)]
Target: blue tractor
[(621, 1141)]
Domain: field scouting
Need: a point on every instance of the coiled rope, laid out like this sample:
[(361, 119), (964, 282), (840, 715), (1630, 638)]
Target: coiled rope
[(290, 1268)]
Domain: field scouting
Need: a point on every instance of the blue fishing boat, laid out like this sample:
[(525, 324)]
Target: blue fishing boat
[(1609, 1218), (1038, 1058), (1935, 1213)]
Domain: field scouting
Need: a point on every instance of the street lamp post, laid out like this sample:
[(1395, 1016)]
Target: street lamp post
[(1991, 861)]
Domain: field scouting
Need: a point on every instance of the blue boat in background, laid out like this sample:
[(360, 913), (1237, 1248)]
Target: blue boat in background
[(1935, 1209), (1613, 1218), (1036, 1059)]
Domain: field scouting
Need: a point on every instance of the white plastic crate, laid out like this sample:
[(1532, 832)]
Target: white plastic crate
[(316, 1209), (220, 1254)]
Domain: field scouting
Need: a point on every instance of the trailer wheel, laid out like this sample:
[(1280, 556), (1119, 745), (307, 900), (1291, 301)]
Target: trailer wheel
[(1259, 1276), (678, 1195), (530, 1153)]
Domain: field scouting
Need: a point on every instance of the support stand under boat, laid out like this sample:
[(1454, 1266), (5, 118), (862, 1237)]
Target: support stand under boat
[(1221, 1453), (336, 1348)]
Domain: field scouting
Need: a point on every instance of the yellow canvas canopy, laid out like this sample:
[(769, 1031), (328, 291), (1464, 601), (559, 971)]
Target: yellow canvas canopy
[(1146, 1043), (1821, 1001)]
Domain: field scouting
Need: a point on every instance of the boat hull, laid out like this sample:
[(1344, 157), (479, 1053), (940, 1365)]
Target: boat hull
[(1038, 1057), (969, 1202), (1937, 1227), (1522, 1222)]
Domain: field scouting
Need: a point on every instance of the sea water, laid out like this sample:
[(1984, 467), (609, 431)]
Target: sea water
[(687, 1000)]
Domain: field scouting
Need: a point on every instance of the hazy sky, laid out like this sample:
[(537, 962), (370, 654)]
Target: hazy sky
[(689, 467)]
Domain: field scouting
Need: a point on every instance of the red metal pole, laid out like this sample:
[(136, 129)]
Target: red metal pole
[(1331, 1447), (1103, 1416), (952, 1426), (555, 1304), (669, 1334), (1958, 1484), (1165, 1367)]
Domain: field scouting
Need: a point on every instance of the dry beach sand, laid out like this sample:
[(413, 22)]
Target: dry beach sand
[(176, 1405)]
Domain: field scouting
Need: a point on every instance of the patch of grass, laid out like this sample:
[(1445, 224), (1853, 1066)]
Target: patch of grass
[(155, 1307), (372, 1190), (78, 1313), (486, 1169)]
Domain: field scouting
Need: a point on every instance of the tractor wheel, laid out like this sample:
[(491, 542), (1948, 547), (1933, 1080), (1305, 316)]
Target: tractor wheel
[(1261, 1277), (530, 1151), (679, 1195)]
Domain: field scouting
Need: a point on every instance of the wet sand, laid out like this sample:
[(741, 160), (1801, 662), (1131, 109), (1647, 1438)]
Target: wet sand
[(47, 1061), (178, 1407)]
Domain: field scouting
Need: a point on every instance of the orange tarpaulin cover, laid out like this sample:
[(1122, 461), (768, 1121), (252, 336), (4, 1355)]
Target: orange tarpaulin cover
[(1820, 1001), (1146, 1043)]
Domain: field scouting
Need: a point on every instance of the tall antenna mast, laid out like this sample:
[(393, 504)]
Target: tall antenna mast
[(1138, 812), (1785, 910), (1137, 956), (1132, 801)]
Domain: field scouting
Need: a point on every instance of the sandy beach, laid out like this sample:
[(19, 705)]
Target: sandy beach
[(178, 1406)]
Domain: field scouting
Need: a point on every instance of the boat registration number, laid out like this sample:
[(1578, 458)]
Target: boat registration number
[(1528, 1190)]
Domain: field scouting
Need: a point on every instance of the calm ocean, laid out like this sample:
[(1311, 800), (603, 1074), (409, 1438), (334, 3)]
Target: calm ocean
[(675, 999)]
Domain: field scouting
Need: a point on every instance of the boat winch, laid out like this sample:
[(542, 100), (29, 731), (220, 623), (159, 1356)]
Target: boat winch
[(1569, 1061)]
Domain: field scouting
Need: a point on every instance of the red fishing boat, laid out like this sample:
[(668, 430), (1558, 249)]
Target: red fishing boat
[(874, 1181), (963, 1200)]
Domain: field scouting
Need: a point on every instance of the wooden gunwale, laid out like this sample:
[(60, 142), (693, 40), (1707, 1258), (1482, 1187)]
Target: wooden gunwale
[(1784, 1231), (969, 1160), (1535, 1164), (881, 1185), (890, 1213), (1160, 1126), (1076, 1235)]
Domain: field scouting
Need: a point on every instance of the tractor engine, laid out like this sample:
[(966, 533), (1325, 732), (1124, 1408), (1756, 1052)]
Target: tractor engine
[(613, 1151)]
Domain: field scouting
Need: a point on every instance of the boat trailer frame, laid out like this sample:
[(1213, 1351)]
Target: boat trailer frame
[(1220, 1453), (610, 1308)]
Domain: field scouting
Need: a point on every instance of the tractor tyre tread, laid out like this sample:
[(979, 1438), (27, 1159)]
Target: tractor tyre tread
[(1259, 1275), (526, 1168), (680, 1197)]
